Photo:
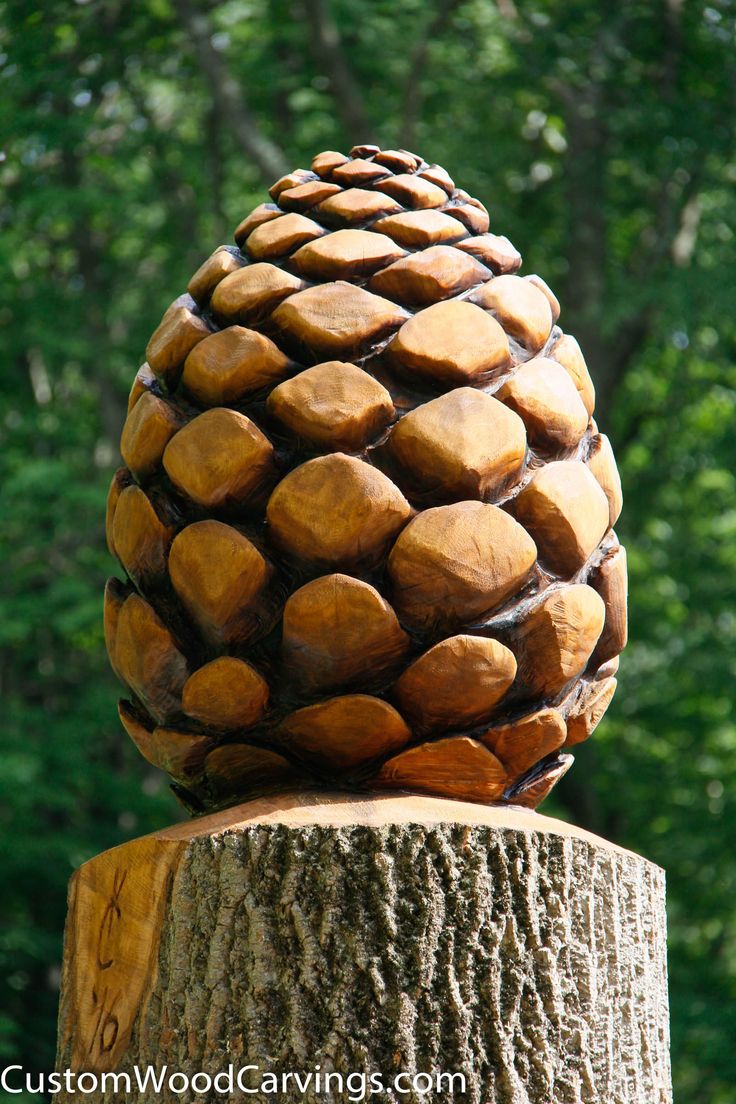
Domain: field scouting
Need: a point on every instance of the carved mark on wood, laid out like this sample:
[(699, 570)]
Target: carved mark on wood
[(117, 903)]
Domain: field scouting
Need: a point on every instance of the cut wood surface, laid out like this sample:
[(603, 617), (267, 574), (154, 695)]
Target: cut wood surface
[(231, 364), (324, 163), (337, 629), (493, 250), (436, 273), (264, 212), (359, 171), (337, 319), (140, 539), (419, 229), (147, 657), (373, 933), (220, 458), (609, 579), (219, 576), (225, 693), (275, 238), (147, 431), (463, 445), (522, 309), (565, 510), (397, 160), (544, 395), (569, 354), (142, 382), (348, 730), (211, 272), (437, 175), (558, 637), (251, 293), (546, 290), (587, 713), (475, 220), (302, 197), (346, 254), (524, 742), (413, 191), (455, 684), (242, 768), (456, 765), (336, 511), (335, 404), (179, 332), (356, 205), (453, 563), (453, 342), (602, 463)]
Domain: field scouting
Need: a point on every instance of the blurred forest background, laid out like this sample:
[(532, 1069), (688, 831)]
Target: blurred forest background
[(601, 136)]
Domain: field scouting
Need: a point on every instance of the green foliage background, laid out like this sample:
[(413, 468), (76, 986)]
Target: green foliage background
[(601, 136)]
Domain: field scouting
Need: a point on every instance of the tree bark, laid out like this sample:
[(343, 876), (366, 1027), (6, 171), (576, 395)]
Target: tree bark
[(372, 935)]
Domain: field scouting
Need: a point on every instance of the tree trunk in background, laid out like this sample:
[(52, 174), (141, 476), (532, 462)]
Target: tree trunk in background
[(373, 935)]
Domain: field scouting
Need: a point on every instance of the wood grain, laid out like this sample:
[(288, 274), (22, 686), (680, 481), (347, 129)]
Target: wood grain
[(455, 343), (210, 274), (494, 250), (420, 229), (566, 512), (220, 459), (116, 908), (140, 538), (278, 237), (436, 273), (356, 205), (148, 659), (232, 364), (225, 693), (147, 431), (412, 191), (179, 332), (464, 914), (219, 576), (336, 511), (557, 638), (345, 731), (250, 294), (335, 405), (542, 393), (463, 445), (454, 563), (346, 255), (522, 309), (587, 713), (523, 742), (567, 352), (456, 765), (264, 212), (455, 684), (609, 579), (602, 463), (337, 629), (337, 319)]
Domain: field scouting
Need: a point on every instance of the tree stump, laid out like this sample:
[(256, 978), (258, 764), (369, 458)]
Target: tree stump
[(334, 938)]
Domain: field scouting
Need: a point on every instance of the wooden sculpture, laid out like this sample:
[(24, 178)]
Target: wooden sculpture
[(366, 514)]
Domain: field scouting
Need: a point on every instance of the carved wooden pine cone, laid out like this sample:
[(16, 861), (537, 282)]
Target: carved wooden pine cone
[(366, 514)]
